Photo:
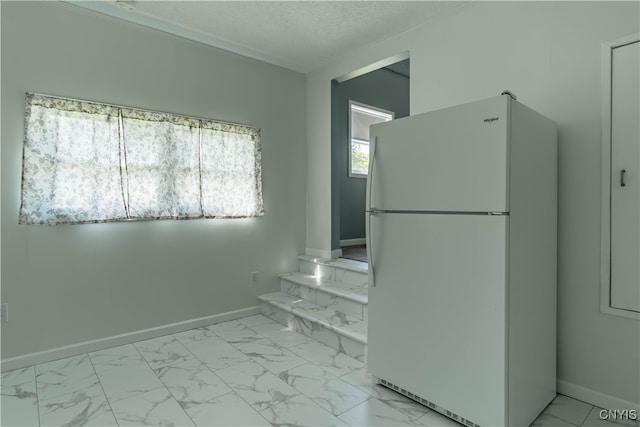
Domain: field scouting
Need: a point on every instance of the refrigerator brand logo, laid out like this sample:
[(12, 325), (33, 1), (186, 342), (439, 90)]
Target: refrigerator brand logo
[(490, 119)]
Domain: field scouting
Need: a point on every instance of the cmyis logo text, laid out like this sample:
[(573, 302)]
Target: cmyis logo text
[(618, 414)]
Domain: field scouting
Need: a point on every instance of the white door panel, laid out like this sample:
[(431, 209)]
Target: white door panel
[(438, 309), (457, 156), (625, 186)]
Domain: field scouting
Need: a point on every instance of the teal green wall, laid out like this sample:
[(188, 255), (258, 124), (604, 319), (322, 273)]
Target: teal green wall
[(383, 89)]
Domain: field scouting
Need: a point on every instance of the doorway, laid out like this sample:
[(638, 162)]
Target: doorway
[(378, 92)]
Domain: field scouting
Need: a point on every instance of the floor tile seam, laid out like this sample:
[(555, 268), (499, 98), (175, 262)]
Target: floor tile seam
[(145, 391), (577, 400), (205, 339), (200, 341), (334, 377), (302, 357), (59, 394), (231, 388), (588, 412), (555, 417), (39, 398), (282, 348), (109, 363), (571, 422), (273, 341), (104, 393), (327, 410), (215, 371), (251, 406), (322, 367), (178, 403), (343, 412), (327, 373), (210, 329), (35, 382), (272, 373), (259, 411), (287, 399), (231, 391), (149, 391), (594, 408), (203, 363), (163, 365)]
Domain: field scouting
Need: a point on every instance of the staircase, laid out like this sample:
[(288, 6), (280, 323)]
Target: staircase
[(325, 300)]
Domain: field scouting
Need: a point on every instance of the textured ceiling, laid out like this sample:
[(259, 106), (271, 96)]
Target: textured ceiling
[(299, 35)]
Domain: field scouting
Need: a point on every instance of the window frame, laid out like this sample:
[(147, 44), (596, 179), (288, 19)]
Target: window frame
[(382, 113), (234, 202)]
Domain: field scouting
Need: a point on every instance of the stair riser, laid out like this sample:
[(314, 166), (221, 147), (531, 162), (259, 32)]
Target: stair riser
[(339, 342), (276, 313), (333, 273), (295, 290), (336, 302), (341, 305), (316, 331)]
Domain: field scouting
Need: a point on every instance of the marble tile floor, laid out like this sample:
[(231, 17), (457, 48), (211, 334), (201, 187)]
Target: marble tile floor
[(246, 372)]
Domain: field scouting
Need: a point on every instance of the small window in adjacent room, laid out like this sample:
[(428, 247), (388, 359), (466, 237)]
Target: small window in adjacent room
[(86, 162), (362, 116)]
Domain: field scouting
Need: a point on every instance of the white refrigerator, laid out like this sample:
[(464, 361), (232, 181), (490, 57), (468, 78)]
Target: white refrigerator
[(461, 238)]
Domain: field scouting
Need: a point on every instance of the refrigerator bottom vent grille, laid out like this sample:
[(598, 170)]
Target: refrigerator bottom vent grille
[(427, 403)]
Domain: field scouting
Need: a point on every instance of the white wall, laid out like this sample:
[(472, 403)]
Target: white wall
[(69, 284), (548, 54)]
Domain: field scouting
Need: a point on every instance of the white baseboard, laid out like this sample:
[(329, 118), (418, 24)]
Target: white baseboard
[(317, 253), (323, 253), (593, 397), (116, 340), (353, 242)]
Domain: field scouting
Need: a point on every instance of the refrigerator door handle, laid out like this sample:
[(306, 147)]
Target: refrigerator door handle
[(370, 172), (371, 211), (372, 280)]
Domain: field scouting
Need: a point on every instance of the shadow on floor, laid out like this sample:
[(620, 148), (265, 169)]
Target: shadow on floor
[(357, 253)]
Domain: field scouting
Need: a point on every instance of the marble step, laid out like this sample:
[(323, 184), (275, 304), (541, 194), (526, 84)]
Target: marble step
[(342, 332), (339, 270), (345, 298)]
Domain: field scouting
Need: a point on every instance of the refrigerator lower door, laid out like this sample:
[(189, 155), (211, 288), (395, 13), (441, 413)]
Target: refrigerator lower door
[(437, 310)]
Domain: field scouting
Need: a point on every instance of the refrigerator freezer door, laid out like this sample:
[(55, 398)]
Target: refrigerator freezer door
[(455, 159), (437, 311)]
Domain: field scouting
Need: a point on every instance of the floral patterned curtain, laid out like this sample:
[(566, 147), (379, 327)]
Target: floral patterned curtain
[(86, 162)]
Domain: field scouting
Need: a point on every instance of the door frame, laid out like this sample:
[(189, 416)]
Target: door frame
[(334, 228), (605, 241)]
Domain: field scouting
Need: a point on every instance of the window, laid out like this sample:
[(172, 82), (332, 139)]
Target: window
[(86, 162), (362, 116)]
